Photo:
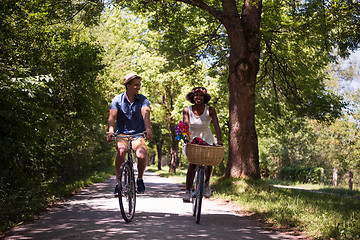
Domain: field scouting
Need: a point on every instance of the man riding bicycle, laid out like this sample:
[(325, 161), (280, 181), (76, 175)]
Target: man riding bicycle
[(131, 112)]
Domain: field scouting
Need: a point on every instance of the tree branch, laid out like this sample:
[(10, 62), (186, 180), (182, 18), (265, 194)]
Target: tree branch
[(200, 4)]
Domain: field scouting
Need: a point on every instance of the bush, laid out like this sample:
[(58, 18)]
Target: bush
[(307, 174)]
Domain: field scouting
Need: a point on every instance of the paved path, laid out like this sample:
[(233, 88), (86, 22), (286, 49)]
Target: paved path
[(94, 213)]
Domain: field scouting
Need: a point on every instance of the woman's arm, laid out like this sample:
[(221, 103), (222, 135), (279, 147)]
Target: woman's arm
[(186, 119), (215, 122)]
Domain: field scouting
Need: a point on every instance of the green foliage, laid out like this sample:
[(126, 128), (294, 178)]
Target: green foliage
[(301, 174), (294, 55), (52, 103)]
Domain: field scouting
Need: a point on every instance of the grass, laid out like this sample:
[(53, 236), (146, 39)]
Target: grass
[(330, 217), (341, 190), (319, 217)]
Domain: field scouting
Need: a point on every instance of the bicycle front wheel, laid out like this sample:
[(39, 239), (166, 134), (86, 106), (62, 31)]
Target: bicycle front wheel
[(127, 192), (199, 190)]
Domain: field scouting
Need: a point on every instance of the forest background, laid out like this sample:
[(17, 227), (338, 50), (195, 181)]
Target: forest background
[(62, 63)]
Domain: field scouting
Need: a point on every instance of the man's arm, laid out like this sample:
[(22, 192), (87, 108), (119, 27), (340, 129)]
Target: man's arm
[(145, 112), (111, 123)]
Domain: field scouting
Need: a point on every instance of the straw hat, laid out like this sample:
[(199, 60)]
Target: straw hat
[(130, 76)]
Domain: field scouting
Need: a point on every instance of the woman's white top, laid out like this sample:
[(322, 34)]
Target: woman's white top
[(200, 125)]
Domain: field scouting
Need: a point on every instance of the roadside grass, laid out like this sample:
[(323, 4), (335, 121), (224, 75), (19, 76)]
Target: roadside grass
[(317, 215), (341, 190)]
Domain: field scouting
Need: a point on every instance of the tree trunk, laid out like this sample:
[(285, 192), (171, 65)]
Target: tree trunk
[(243, 67), (174, 149), (168, 104), (335, 177), (351, 180), (159, 152), (322, 175)]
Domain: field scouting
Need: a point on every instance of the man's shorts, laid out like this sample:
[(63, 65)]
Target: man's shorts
[(122, 143)]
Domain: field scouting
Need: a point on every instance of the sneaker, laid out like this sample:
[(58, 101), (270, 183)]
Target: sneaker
[(207, 191), (187, 196), (140, 186), (116, 192)]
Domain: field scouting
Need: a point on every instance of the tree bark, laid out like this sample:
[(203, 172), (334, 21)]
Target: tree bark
[(351, 180), (174, 149), (335, 177), (168, 104), (159, 152), (244, 40)]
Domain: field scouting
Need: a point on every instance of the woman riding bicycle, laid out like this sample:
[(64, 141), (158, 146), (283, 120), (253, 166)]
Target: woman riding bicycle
[(199, 116)]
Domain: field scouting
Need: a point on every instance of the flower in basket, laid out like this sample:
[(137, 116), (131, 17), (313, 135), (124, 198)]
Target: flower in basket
[(199, 141), (182, 131)]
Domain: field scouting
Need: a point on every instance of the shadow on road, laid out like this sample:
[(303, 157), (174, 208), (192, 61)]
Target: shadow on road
[(93, 213)]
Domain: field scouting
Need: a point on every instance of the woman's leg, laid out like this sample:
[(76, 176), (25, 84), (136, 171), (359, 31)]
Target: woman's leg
[(208, 171), (190, 176)]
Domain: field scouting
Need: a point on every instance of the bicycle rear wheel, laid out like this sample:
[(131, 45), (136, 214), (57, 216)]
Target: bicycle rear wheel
[(127, 192), (199, 190)]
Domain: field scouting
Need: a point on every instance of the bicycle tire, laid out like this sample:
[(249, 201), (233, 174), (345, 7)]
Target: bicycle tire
[(194, 192), (127, 192), (199, 193)]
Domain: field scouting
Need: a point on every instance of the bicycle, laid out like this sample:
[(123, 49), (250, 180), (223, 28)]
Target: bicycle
[(202, 156), (126, 182)]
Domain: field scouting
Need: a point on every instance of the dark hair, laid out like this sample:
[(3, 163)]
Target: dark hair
[(190, 95)]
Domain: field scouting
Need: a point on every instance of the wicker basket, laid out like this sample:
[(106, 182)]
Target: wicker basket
[(204, 155)]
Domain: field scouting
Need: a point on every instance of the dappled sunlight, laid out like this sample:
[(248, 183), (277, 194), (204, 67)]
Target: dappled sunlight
[(94, 213)]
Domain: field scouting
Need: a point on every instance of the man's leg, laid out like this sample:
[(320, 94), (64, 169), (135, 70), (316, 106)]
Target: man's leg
[(142, 156), (120, 158)]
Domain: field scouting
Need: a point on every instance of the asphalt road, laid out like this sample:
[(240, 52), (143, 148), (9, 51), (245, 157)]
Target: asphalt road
[(93, 213)]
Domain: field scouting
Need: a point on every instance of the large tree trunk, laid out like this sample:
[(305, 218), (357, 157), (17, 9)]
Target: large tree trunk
[(243, 67)]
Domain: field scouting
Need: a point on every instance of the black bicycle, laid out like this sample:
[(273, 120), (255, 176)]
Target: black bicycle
[(126, 182)]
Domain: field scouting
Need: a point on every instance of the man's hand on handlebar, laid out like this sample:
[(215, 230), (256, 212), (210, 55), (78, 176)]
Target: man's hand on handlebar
[(109, 137), (149, 135)]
